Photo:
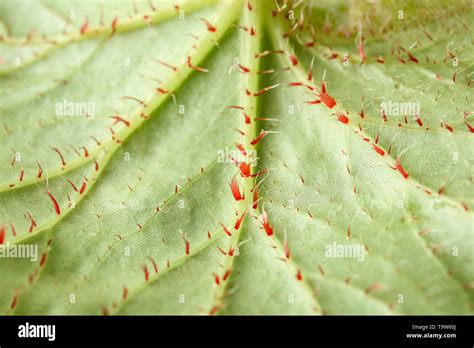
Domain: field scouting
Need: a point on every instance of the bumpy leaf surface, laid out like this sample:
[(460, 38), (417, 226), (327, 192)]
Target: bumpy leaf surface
[(349, 204)]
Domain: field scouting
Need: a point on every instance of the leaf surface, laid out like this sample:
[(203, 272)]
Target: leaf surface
[(349, 205)]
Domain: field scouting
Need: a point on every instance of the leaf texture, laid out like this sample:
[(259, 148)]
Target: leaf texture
[(238, 157)]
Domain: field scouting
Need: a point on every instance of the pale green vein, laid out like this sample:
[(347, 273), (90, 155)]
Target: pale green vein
[(174, 265), (72, 72), (424, 242), (129, 24), (166, 202), (310, 274), (250, 45), (102, 160), (227, 13), (277, 38)]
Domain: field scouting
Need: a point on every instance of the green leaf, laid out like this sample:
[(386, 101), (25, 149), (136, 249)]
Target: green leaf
[(130, 116)]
